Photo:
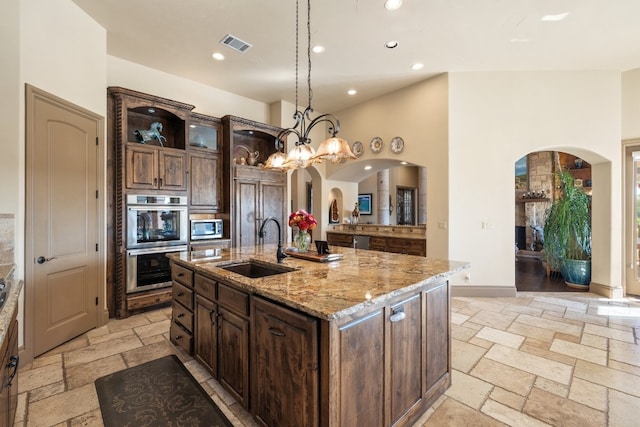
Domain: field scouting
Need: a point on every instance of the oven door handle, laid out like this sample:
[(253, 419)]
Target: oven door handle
[(136, 252)]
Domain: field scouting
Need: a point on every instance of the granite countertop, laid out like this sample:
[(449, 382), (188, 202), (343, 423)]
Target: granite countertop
[(330, 290), (11, 303), (385, 234)]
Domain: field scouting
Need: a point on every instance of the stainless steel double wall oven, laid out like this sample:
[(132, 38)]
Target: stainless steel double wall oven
[(156, 225)]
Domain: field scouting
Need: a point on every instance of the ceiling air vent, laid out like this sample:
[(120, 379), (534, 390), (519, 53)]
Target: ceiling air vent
[(235, 43)]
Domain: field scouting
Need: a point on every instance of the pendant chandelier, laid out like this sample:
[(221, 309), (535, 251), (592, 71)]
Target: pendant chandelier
[(303, 155)]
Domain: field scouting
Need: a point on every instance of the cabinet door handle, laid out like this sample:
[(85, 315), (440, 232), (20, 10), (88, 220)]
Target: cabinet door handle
[(180, 315), (212, 317), (276, 332), (160, 182), (177, 337), (155, 182), (180, 274), (180, 293), (13, 363), (396, 317)]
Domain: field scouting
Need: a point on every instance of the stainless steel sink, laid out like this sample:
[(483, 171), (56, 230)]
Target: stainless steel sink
[(254, 269)]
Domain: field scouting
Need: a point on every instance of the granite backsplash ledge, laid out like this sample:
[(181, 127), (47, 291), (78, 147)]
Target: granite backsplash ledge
[(7, 238)]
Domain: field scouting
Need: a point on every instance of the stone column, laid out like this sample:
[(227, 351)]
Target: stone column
[(383, 197), (422, 195)]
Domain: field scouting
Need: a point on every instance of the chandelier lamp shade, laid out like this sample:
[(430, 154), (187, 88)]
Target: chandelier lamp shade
[(302, 155)]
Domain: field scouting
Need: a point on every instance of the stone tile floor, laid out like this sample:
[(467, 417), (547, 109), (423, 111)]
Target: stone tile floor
[(561, 359)]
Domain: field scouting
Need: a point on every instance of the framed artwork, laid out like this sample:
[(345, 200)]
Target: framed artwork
[(364, 204), (522, 174)]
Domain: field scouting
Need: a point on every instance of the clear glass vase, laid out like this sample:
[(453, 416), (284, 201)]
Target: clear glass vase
[(302, 241)]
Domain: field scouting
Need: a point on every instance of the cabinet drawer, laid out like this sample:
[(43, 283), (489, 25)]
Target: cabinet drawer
[(205, 287), (182, 275), (339, 239), (181, 338), (183, 316), (377, 244), (233, 299), (407, 246), (183, 295)]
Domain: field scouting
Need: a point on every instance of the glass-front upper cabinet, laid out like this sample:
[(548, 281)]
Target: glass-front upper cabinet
[(205, 132)]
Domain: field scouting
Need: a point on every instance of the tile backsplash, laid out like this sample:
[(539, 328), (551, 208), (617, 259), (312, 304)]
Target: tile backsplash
[(7, 238)]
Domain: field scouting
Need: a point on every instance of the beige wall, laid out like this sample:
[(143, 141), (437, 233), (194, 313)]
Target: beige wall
[(496, 118), (631, 104), (207, 100), (11, 94), (419, 114)]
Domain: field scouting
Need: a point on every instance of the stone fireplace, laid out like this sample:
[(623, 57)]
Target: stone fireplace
[(530, 210)]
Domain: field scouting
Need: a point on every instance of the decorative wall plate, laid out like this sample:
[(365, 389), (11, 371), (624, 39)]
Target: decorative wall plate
[(357, 148), (397, 145), (376, 144)]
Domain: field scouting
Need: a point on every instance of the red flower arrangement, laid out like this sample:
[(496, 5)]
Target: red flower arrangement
[(303, 220)]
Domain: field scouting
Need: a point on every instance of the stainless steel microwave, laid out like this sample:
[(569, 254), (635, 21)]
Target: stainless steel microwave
[(202, 229)]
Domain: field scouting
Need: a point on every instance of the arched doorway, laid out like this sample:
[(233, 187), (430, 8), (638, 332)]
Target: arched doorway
[(536, 188)]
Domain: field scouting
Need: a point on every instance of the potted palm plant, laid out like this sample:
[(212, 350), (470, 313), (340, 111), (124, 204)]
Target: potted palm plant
[(567, 233)]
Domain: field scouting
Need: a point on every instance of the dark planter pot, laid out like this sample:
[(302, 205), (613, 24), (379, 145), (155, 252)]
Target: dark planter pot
[(577, 273)]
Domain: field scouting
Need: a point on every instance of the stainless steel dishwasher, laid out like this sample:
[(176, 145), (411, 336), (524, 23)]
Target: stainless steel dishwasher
[(361, 242)]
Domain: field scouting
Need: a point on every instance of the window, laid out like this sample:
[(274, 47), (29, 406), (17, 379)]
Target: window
[(405, 212)]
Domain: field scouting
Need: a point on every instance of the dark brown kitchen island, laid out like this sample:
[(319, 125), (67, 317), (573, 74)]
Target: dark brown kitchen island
[(364, 340)]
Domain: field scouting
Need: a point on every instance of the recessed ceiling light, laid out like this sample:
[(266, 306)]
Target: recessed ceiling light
[(417, 66), (318, 49), (404, 163), (368, 167), (554, 18), (391, 44), (217, 56), (392, 4), (151, 110), (352, 92)]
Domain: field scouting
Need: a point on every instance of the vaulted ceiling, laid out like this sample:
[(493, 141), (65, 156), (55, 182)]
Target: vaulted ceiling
[(179, 37)]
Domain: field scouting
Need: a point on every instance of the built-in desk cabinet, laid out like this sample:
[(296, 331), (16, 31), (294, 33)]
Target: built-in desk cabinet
[(408, 246)]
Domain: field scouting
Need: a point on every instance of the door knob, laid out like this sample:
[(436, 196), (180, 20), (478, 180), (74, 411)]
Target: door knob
[(42, 260)]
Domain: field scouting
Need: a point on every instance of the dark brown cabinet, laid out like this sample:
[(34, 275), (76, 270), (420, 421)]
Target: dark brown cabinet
[(397, 245), (284, 363), (205, 182), (9, 372), (181, 332), (340, 239), (151, 168), (406, 246), (222, 335), (206, 338), (406, 364), (254, 193), (383, 365), (185, 158), (206, 192), (258, 195)]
